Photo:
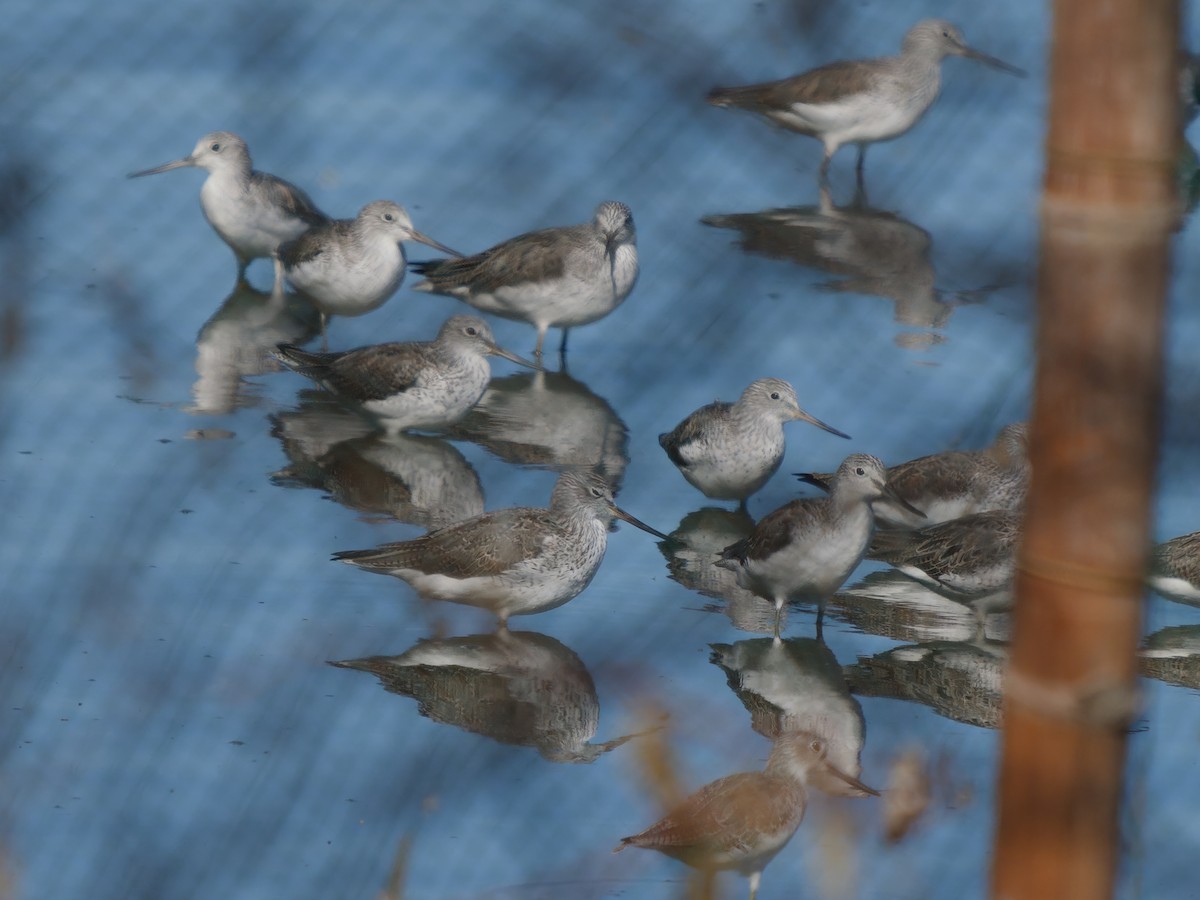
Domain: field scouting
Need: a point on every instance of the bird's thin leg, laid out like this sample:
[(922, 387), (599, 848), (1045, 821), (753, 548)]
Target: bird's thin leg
[(778, 614), (755, 877), (279, 289), (820, 620), (243, 264), (562, 348), (541, 338), (823, 172), (860, 184), (324, 335)]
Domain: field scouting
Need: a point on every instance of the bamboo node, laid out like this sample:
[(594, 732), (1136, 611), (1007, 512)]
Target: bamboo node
[(1101, 702), (1083, 577)]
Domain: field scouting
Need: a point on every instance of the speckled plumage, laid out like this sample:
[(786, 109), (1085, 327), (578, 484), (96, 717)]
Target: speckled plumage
[(348, 267), (974, 555), (742, 821), (859, 101), (513, 561), (956, 483), (253, 212), (729, 450), (1176, 569), (426, 384), (556, 277), (806, 549)]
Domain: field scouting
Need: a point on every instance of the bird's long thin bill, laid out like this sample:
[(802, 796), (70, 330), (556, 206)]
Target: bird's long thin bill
[(813, 420), (430, 242), (512, 357), (890, 493), (972, 53), (621, 514), (849, 779), (165, 167), (813, 479)]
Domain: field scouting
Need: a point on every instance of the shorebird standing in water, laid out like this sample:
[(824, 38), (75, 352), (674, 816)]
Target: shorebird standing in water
[(427, 384), (729, 450), (556, 277), (348, 267), (251, 211), (807, 549), (513, 562), (742, 821), (974, 556), (860, 101), (956, 483)]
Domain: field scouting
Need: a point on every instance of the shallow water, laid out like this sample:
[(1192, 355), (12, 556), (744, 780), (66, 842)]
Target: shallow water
[(171, 505)]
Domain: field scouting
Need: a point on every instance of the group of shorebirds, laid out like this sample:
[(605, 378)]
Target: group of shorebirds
[(950, 520)]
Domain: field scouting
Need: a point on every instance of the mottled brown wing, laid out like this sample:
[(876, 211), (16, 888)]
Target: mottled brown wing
[(686, 432), (535, 256), (1179, 558), (776, 529), (821, 85), (938, 473), (950, 546), (287, 196), (313, 242), (379, 371), (486, 545), (731, 813)]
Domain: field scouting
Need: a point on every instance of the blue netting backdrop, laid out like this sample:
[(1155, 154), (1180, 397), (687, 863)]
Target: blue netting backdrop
[(171, 726)]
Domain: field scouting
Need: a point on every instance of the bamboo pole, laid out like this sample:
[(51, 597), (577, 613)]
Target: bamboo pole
[(1109, 206)]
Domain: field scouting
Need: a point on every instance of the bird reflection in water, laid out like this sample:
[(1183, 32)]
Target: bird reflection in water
[(893, 605), (1172, 655), (958, 680), (692, 553), (236, 341), (548, 420), (411, 478), (871, 250), (797, 685), (514, 687)]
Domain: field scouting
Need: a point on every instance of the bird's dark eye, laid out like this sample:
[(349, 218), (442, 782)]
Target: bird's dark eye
[(472, 331), (774, 395), (945, 34), (815, 746), (215, 148), (860, 471), (596, 492), (388, 217)]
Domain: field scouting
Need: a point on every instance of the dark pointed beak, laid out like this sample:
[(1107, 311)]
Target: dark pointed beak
[(496, 350), (972, 53), (802, 416), (430, 242), (890, 493), (165, 167), (833, 770), (626, 517)]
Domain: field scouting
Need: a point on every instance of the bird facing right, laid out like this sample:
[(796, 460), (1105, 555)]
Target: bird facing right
[(729, 450), (513, 561), (806, 549), (348, 267), (556, 277), (860, 101), (742, 821), (422, 384)]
